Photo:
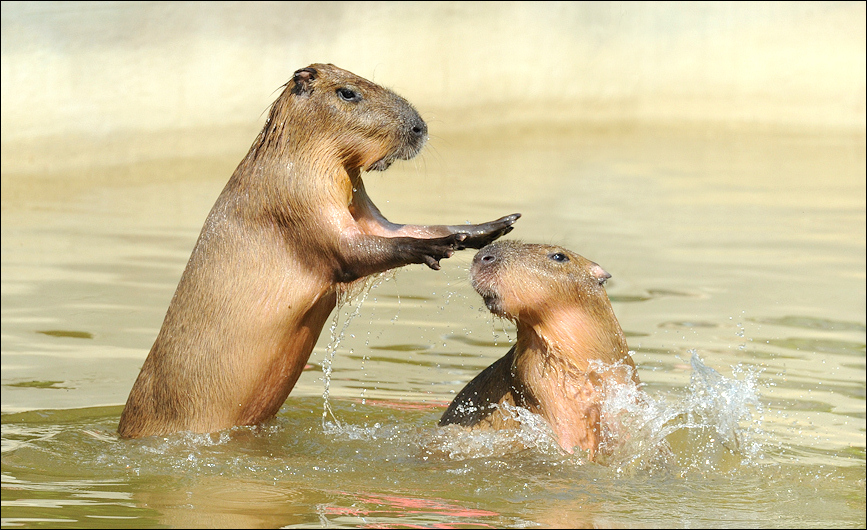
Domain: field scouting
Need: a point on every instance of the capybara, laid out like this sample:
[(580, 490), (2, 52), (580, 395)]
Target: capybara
[(292, 228), (569, 344)]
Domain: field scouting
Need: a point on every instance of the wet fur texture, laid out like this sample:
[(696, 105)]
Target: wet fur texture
[(292, 228), (566, 330)]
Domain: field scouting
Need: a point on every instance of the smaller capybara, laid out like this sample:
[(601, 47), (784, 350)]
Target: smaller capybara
[(567, 335), (292, 229)]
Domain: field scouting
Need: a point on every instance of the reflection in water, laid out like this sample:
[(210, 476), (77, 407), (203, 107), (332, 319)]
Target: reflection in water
[(64, 333), (401, 511), (811, 323)]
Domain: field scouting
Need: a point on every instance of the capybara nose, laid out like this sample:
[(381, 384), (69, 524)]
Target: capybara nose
[(419, 128), (485, 257)]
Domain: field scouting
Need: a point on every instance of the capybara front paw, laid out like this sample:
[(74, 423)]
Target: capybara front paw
[(480, 235), (440, 248)]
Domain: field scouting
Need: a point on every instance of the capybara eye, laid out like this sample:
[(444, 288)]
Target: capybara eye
[(347, 94), (559, 257)]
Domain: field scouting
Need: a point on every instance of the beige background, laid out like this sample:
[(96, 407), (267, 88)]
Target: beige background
[(135, 78)]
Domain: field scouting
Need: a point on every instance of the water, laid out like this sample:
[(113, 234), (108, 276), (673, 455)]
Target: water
[(738, 263)]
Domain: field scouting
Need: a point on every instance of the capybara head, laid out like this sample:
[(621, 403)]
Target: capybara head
[(527, 282), (346, 117)]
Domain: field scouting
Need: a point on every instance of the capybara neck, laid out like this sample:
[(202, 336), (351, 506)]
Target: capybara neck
[(293, 227), (573, 337)]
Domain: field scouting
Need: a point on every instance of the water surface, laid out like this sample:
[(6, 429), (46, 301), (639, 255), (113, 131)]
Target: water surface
[(738, 263)]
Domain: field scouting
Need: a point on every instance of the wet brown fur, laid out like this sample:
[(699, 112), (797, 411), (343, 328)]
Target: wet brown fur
[(292, 228), (565, 322)]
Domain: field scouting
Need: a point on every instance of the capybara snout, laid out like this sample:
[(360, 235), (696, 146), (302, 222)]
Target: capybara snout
[(376, 126)]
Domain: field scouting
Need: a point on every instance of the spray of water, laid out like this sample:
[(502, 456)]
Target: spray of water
[(709, 425), (352, 297)]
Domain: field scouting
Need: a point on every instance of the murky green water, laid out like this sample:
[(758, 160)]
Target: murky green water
[(747, 248)]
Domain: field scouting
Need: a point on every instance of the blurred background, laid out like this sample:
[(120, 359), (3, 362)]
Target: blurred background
[(116, 73)]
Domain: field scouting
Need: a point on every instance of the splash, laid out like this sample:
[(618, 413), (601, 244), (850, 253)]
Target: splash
[(722, 404), (354, 295), (634, 424), (455, 442), (710, 427)]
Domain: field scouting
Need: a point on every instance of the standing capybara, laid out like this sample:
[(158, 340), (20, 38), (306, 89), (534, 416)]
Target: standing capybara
[(569, 344), (292, 228)]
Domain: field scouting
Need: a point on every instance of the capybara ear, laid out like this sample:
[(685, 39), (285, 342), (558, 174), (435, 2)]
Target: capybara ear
[(303, 80), (599, 273)]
